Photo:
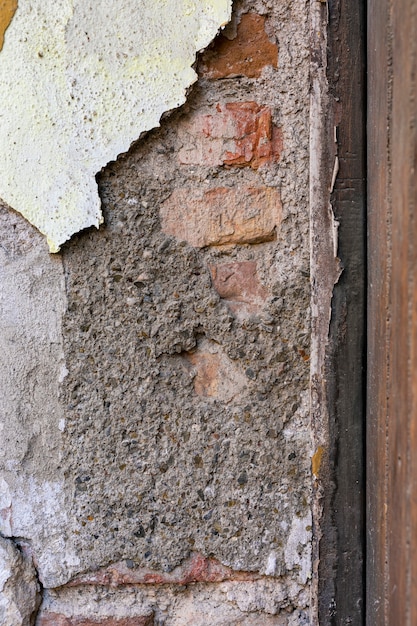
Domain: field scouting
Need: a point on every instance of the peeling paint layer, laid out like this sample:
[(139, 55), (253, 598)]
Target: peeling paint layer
[(316, 461), (7, 11), (82, 80)]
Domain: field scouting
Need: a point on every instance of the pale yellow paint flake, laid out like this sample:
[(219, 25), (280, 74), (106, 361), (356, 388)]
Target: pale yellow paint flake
[(80, 81)]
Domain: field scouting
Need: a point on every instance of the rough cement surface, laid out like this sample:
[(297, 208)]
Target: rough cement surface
[(19, 588), (177, 415), (156, 469), (264, 602)]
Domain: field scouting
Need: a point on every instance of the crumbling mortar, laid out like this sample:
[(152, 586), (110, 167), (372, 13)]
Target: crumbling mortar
[(23, 546), (164, 600)]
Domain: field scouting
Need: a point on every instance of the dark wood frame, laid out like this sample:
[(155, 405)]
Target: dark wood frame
[(342, 563), (391, 382)]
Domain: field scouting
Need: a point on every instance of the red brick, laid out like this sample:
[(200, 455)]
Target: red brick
[(238, 134), (195, 569), (54, 619), (238, 283), (216, 376), (247, 54), (206, 381), (222, 215)]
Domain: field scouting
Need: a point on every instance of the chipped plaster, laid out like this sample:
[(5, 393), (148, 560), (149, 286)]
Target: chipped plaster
[(82, 80)]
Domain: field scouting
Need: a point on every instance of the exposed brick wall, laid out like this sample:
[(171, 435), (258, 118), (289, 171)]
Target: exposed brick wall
[(222, 189), (222, 215), (247, 53), (237, 134)]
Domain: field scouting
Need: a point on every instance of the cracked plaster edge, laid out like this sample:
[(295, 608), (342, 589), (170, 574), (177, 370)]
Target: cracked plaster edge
[(325, 269), (55, 247), (205, 39)]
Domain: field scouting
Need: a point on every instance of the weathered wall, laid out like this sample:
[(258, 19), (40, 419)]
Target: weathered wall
[(156, 414)]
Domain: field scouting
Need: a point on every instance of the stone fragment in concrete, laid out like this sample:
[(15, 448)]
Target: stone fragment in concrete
[(236, 134), (298, 549), (247, 54), (238, 283), (5, 508), (216, 375), (222, 215), (19, 588), (80, 81)]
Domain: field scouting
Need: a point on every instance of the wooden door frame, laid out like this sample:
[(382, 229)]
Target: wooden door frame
[(392, 314), (341, 571), (385, 129), (347, 354)]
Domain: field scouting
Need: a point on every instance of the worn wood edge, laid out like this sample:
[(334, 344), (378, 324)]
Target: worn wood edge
[(331, 403), (324, 274)]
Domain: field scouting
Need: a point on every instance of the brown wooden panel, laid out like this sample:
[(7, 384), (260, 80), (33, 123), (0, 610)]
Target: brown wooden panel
[(399, 418), (378, 330), (413, 364), (392, 364)]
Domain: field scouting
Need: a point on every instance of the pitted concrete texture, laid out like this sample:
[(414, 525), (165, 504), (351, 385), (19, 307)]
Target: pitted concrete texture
[(157, 467), (169, 405), (19, 587), (80, 81), (164, 454)]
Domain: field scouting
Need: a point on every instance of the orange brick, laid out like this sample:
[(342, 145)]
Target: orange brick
[(238, 283), (222, 215), (52, 619), (216, 376), (207, 378), (236, 134), (247, 54)]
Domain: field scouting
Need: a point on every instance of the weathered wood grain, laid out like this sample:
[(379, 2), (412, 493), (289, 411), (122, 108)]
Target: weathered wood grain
[(392, 319)]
